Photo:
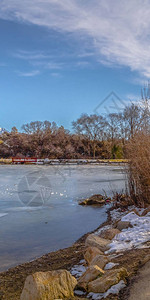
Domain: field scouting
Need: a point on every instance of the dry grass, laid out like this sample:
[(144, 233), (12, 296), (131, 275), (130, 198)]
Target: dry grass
[(139, 169)]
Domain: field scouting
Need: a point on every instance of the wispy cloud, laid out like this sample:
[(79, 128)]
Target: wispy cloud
[(39, 59), (54, 66), (30, 55), (86, 54), (142, 81), (117, 31), (28, 74)]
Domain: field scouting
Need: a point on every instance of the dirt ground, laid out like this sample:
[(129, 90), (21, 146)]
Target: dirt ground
[(140, 288), (12, 281)]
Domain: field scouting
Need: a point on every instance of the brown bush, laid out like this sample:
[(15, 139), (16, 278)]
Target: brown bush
[(139, 169)]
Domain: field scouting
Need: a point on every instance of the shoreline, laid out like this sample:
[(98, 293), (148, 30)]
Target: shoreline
[(12, 280), (61, 162)]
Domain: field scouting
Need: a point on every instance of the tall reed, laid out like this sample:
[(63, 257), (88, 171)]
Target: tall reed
[(138, 150)]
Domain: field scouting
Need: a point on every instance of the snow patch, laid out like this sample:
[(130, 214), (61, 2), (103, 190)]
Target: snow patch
[(110, 265), (103, 229), (115, 289), (132, 237), (82, 261), (79, 293), (78, 270), (116, 214)]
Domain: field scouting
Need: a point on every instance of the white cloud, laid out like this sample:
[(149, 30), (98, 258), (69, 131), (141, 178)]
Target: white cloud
[(118, 31), (39, 59), (142, 81), (53, 66), (31, 55), (29, 74)]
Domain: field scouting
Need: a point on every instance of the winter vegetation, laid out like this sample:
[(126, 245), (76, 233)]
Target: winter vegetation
[(114, 136), (93, 136), (138, 152), (139, 168)]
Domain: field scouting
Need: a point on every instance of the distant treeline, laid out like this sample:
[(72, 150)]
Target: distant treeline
[(92, 136)]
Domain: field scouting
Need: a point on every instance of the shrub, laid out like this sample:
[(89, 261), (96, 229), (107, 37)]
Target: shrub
[(139, 169)]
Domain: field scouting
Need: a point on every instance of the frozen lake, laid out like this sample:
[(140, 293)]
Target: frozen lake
[(39, 210)]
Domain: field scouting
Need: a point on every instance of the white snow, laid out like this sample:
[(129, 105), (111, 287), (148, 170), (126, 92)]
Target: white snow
[(140, 210), (82, 261), (79, 293), (132, 237), (78, 270), (110, 265), (103, 229), (115, 289), (116, 214), (129, 238)]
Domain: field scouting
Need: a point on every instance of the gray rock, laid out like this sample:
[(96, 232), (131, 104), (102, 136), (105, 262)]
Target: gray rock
[(123, 225)]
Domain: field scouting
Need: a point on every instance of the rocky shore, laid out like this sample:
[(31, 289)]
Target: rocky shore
[(100, 265)]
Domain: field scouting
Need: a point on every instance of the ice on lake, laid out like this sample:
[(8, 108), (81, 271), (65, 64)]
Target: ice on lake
[(39, 209)]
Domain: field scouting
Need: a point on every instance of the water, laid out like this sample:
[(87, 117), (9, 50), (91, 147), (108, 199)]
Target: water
[(39, 210)]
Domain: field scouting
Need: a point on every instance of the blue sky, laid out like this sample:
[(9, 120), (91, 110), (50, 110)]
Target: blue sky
[(61, 58)]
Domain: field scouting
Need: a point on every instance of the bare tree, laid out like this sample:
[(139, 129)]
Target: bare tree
[(132, 117), (93, 127), (145, 119), (113, 120)]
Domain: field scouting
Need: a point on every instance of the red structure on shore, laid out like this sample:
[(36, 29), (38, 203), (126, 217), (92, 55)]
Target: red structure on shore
[(30, 160)]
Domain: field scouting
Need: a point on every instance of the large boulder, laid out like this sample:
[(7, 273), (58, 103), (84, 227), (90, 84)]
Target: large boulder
[(90, 253), (112, 277), (100, 261), (93, 200), (49, 286), (109, 233), (90, 274), (96, 241)]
